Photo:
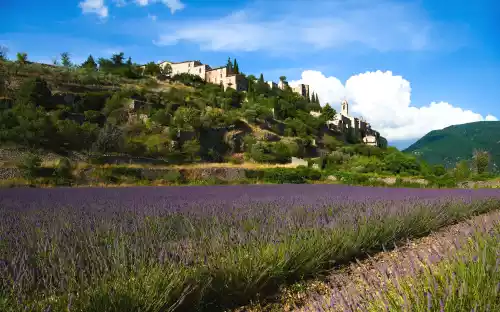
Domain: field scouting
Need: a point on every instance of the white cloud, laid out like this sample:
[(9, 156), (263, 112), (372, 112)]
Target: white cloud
[(173, 5), (379, 25), (490, 118), (384, 99), (94, 6)]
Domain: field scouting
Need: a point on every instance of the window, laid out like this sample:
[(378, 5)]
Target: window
[(200, 70)]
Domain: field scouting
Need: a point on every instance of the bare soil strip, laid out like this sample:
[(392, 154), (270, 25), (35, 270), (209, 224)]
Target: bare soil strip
[(431, 248)]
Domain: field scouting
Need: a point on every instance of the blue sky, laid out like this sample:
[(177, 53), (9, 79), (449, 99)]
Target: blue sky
[(408, 67)]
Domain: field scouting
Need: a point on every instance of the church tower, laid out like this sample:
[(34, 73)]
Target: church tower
[(344, 108)]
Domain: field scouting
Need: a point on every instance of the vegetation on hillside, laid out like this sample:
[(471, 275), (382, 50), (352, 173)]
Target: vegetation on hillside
[(114, 107), (459, 143)]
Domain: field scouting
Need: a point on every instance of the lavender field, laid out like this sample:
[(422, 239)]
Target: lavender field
[(199, 248)]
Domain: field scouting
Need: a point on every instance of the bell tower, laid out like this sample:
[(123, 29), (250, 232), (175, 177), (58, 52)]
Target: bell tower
[(344, 108)]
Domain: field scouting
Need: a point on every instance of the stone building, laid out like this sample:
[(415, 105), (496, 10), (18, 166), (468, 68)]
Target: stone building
[(272, 84), (219, 75), (225, 76), (345, 123), (189, 67), (301, 89)]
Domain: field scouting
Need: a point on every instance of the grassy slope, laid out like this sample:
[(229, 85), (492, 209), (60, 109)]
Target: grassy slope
[(455, 143)]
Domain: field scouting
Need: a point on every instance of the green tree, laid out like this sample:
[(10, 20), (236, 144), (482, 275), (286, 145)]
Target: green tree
[(167, 70), (328, 112), (152, 69), (117, 59), (229, 64), (261, 77), (110, 139), (35, 91), (481, 161), (187, 118), (65, 59), (438, 170), (3, 53), (63, 170), (236, 67), (331, 143), (191, 149), (462, 170), (129, 61), (90, 63), (283, 79), (29, 166), (22, 58), (105, 64)]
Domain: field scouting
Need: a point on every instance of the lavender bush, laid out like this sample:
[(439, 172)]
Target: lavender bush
[(199, 248), (466, 279)]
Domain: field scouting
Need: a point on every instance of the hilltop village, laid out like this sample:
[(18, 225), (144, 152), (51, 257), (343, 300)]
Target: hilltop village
[(228, 77)]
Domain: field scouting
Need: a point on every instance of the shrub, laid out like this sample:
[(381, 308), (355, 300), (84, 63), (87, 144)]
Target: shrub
[(63, 171), (173, 176), (331, 143), (297, 175), (236, 159), (30, 166)]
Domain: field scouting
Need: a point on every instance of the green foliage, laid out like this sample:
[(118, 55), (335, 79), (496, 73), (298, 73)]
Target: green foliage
[(481, 161), (22, 58), (462, 170), (35, 91), (459, 142), (331, 143), (173, 176), (152, 69), (191, 150), (297, 175), (63, 171), (328, 112), (187, 118), (66, 59), (109, 140), (398, 163), (444, 181), (276, 152), (189, 79), (30, 165), (90, 64)]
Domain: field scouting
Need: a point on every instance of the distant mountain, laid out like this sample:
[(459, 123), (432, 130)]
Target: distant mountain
[(455, 143)]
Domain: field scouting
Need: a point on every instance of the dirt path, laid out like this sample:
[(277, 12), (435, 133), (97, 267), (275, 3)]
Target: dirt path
[(431, 248)]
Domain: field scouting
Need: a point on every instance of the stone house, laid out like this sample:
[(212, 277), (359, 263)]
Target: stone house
[(219, 75), (301, 89), (227, 78)]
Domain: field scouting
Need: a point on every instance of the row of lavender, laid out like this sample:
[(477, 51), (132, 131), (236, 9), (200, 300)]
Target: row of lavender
[(461, 275), (206, 248)]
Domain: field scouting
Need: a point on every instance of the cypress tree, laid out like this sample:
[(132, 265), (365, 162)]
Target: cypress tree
[(261, 78), (229, 63), (90, 63), (236, 67)]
